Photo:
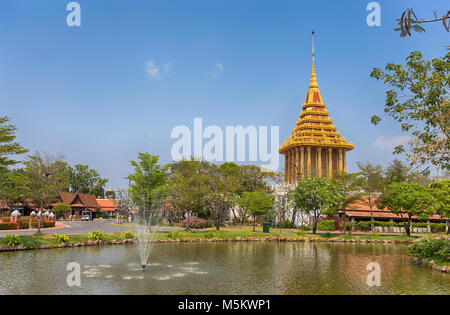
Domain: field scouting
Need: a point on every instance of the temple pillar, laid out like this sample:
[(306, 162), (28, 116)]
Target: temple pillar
[(340, 160), (297, 164), (289, 167), (344, 161), (330, 163), (308, 162), (285, 167), (293, 166), (302, 162), (319, 162)]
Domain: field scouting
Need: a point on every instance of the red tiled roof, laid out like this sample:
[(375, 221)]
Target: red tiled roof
[(360, 209), (79, 200), (3, 204), (107, 204)]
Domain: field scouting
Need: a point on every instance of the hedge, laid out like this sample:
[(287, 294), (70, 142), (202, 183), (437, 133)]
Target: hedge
[(326, 225), (365, 225)]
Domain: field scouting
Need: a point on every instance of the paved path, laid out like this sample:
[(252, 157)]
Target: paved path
[(76, 228), (108, 227)]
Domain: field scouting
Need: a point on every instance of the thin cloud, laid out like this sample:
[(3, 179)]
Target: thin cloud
[(152, 69), (218, 70), (389, 143)]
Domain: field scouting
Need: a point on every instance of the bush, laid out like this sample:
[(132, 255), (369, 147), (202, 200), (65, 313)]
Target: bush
[(61, 208), (196, 223), (304, 228), (432, 248), (173, 235), (285, 225), (326, 225), (12, 240), (128, 234), (96, 235), (61, 238), (301, 232), (7, 226)]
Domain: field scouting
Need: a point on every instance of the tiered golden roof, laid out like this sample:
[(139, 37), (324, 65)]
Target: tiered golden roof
[(315, 128)]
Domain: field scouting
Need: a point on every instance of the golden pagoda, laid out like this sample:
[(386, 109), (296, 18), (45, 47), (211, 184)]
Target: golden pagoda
[(315, 148)]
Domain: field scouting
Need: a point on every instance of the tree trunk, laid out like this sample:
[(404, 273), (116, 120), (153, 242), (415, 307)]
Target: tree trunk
[(254, 222), (408, 227), (447, 226), (345, 226), (315, 225), (372, 227)]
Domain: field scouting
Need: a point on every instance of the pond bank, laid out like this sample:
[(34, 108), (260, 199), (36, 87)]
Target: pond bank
[(213, 239)]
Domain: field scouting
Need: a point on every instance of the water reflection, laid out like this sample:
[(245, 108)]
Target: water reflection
[(221, 268)]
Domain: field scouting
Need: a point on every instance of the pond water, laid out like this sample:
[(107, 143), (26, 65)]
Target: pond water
[(221, 268)]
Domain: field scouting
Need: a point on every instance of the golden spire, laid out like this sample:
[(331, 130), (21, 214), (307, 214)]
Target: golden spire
[(313, 81)]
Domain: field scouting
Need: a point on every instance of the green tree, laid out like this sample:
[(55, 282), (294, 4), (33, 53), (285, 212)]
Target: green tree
[(317, 196), (11, 186), (418, 99), (7, 145), (61, 208), (408, 199), (370, 182), (146, 181), (348, 186), (86, 180), (257, 202), (397, 172), (187, 187), (441, 194), (223, 186), (44, 178)]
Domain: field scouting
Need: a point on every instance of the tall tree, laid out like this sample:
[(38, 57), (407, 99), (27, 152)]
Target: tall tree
[(146, 181), (418, 99), (409, 199), (223, 187), (187, 188), (370, 182), (86, 180), (441, 194), (317, 196), (348, 185), (44, 178), (7, 145), (257, 202)]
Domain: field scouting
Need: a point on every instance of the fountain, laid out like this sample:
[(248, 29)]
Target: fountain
[(144, 235)]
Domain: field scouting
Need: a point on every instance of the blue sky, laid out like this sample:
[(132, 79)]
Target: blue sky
[(138, 68)]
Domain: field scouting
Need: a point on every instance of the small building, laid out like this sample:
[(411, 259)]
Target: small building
[(359, 210), (80, 203), (108, 206)]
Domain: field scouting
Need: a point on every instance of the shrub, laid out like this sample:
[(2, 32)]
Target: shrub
[(61, 208), (286, 225), (7, 226), (210, 234), (301, 232), (304, 228), (326, 225), (96, 235), (432, 248), (196, 223), (12, 240), (173, 234), (61, 238), (128, 234)]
